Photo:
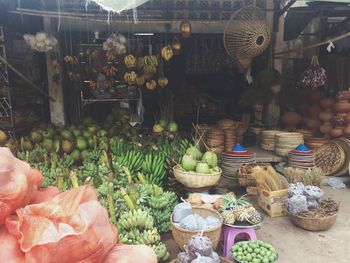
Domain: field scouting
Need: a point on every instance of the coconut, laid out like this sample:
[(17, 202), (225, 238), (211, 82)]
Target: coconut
[(188, 162), (47, 144), (194, 152), (76, 155), (202, 168), (36, 136), (67, 146), (3, 137), (210, 158), (172, 127), (81, 143)]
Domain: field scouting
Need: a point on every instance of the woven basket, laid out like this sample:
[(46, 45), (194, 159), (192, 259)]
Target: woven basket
[(196, 180), (330, 158), (222, 260), (181, 236), (313, 224), (247, 181)]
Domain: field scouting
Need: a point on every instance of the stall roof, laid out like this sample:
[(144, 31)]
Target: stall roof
[(299, 17)]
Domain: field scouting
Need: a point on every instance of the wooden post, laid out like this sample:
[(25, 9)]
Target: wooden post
[(57, 112)]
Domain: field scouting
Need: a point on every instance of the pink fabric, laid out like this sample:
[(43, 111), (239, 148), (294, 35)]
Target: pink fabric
[(10, 251), (131, 254)]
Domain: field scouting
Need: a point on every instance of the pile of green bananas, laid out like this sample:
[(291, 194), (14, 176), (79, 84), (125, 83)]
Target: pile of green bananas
[(153, 168), (132, 158), (161, 204), (137, 227)]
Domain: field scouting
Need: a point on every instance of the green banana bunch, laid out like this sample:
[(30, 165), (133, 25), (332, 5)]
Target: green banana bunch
[(135, 219), (132, 159), (118, 147), (154, 167), (161, 251), (182, 146)]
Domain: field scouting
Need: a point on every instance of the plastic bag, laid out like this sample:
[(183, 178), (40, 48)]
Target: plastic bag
[(183, 257), (296, 189), (201, 245), (297, 204), (202, 259), (18, 183), (131, 254), (215, 257), (313, 193), (194, 222), (71, 227), (212, 222), (181, 211), (10, 251)]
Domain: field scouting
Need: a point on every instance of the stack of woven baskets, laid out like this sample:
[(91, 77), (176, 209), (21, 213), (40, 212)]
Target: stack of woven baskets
[(287, 141), (268, 139), (215, 140)]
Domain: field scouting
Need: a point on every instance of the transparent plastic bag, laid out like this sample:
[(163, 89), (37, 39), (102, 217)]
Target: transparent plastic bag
[(297, 204), (181, 211)]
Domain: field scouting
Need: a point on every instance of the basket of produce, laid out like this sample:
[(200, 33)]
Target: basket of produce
[(307, 211), (319, 218), (238, 212), (245, 174), (198, 170), (197, 219), (254, 251), (199, 248)]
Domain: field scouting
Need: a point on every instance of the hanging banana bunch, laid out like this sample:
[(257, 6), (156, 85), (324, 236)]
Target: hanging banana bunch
[(130, 61), (163, 82), (140, 81), (150, 60), (151, 85), (110, 70), (167, 53), (71, 60), (130, 77)]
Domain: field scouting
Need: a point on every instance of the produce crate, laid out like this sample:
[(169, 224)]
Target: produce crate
[(273, 203)]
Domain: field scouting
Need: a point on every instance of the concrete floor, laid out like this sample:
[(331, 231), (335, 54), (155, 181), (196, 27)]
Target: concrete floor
[(296, 245)]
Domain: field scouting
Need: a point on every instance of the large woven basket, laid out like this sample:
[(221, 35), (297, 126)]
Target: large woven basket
[(196, 180), (181, 236), (313, 224), (222, 260)]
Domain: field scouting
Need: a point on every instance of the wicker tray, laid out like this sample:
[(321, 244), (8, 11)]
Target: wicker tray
[(345, 144), (181, 236), (330, 158), (196, 180), (313, 224)]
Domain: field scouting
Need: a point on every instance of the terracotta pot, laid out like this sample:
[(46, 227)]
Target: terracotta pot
[(347, 118), (337, 132), (343, 95), (339, 120), (326, 127), (327, 103), (314, 111), (326, 116), (342, 107), (346, 130), (316, 96), (302, 108), (313, 124), (291, 119)]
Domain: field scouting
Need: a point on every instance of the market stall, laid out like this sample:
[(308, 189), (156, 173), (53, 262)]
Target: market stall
[(170, 131)]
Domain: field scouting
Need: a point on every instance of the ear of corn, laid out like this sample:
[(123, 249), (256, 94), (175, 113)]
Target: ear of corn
[(274, 176), (267, 179)]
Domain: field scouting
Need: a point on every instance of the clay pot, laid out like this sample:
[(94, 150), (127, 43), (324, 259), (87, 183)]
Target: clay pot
[(346, 130), (339, 120), (316, 96), (302, 108), (291, 119), (313, 124), (347, 118), (327, 103), (343, 95), (326, 127), (337, 132), (314, 111), (326, 116), (342, 107)]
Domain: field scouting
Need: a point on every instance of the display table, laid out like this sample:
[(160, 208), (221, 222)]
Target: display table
[(263, 156)]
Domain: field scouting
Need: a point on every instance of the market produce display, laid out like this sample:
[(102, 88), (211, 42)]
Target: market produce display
[(268, 179), (195, 161), (254, 251), (312, 176), (46, 225), (238, 211)]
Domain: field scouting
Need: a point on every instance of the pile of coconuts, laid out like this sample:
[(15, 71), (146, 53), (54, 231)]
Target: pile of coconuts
[(195, 161)]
